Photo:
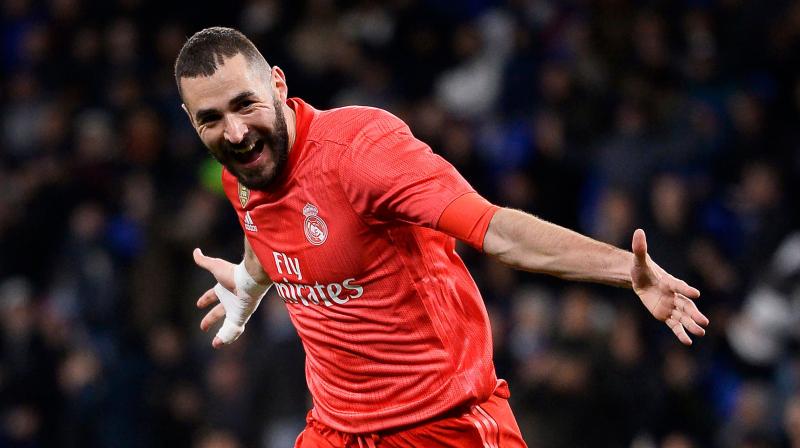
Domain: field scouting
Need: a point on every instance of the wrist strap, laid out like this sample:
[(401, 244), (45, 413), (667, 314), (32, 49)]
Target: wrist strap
[(246, 284), (237, 313)]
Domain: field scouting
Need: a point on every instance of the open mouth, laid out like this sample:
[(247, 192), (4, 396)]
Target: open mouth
[(248, 154)]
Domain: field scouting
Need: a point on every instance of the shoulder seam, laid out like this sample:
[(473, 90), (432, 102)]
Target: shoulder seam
[(365, 111)]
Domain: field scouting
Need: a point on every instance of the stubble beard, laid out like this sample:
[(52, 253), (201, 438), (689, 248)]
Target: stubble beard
[(276, 142)]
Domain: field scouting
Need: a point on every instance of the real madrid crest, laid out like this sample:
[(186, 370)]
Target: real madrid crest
[(244, 195), (314, 227)]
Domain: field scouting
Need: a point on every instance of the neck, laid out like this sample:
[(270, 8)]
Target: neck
[(291, 124)]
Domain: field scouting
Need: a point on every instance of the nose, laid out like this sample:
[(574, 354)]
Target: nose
[(235, 130)]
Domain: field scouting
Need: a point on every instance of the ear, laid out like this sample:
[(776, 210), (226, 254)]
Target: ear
[(279, 87)]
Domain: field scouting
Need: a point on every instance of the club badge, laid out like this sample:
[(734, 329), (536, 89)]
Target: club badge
[(314, 227), (244, 195)]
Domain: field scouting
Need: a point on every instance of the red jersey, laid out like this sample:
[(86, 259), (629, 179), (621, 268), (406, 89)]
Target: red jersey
[(394, 328)]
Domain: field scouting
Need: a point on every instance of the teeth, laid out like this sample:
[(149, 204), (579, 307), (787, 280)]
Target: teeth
[(244, 150)]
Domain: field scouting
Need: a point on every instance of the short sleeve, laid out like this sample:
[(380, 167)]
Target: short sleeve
[(467, 218), (388, 174)]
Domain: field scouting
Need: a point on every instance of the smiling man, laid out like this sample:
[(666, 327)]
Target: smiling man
[(239, 144), (354, 221)]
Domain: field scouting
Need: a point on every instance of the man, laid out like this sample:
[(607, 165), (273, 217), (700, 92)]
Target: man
[(353, 220)]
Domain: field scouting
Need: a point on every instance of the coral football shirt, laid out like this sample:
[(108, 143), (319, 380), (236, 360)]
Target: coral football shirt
[(393, 326)]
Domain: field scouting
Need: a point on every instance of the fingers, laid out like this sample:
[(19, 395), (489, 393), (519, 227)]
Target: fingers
[(688, 308), (681, 287), (685, 316), (679, 331), (680, 317), (639, 246), (212, 317), (207, 298), (692, 326)]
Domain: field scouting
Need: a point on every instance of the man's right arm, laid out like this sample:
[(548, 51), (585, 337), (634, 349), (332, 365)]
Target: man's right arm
[(239, 290), (253, 266)]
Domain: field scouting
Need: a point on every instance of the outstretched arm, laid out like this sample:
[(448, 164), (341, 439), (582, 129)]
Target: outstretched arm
[(528, 243)]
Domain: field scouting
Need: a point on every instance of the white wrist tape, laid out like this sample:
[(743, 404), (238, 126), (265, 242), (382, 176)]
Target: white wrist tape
[(246, 286), (237, 312)]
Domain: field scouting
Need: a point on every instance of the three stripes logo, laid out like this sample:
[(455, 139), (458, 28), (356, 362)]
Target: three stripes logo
[(248, 223), (486, 425)]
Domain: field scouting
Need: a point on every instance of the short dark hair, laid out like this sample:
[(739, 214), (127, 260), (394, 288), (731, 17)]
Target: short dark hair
[(207, 49)]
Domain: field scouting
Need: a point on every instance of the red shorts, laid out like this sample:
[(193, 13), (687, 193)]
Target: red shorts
[(488, 425)]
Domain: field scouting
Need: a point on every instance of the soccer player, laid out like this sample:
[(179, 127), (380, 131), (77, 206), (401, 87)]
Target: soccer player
[(354, 221)]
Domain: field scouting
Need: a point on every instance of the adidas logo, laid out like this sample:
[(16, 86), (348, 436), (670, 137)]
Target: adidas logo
[(248, 223)]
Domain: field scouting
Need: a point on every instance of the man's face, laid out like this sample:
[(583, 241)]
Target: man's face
[(239, 117)]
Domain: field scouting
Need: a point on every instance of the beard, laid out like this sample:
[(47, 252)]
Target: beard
[(276, 143)]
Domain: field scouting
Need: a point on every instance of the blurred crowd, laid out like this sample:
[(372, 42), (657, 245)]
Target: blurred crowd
[(680, 117)]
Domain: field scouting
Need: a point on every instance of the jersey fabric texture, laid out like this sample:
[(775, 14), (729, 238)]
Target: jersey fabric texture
[(490, 424), (393, 326), (467, 218)]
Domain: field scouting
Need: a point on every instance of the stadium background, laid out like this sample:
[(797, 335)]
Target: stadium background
[(677, 116)]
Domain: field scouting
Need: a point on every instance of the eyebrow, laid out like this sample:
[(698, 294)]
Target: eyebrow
[(203, 113)]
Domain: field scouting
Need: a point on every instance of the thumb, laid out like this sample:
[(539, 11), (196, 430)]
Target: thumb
[(203, 261), (222, 270), (639, 246)]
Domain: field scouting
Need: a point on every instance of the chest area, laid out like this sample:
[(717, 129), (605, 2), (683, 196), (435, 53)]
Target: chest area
[(309, 236)]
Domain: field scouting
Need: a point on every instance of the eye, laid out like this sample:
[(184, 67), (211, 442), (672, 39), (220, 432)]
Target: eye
[(208, 119)]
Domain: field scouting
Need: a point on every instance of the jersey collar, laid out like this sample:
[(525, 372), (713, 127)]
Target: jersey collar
[(304, 115)]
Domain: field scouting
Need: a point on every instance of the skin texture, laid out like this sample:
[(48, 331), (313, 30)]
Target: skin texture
[(241, 105), (525, 242)]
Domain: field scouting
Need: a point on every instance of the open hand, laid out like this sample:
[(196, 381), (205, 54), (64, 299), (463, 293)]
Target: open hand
[(223, 272), (667, 298)]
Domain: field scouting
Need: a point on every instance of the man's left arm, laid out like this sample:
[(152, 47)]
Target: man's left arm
[(387, 174), (525, 242)]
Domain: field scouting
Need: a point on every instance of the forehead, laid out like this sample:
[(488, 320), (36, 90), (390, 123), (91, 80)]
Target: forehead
[(234, 76)]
